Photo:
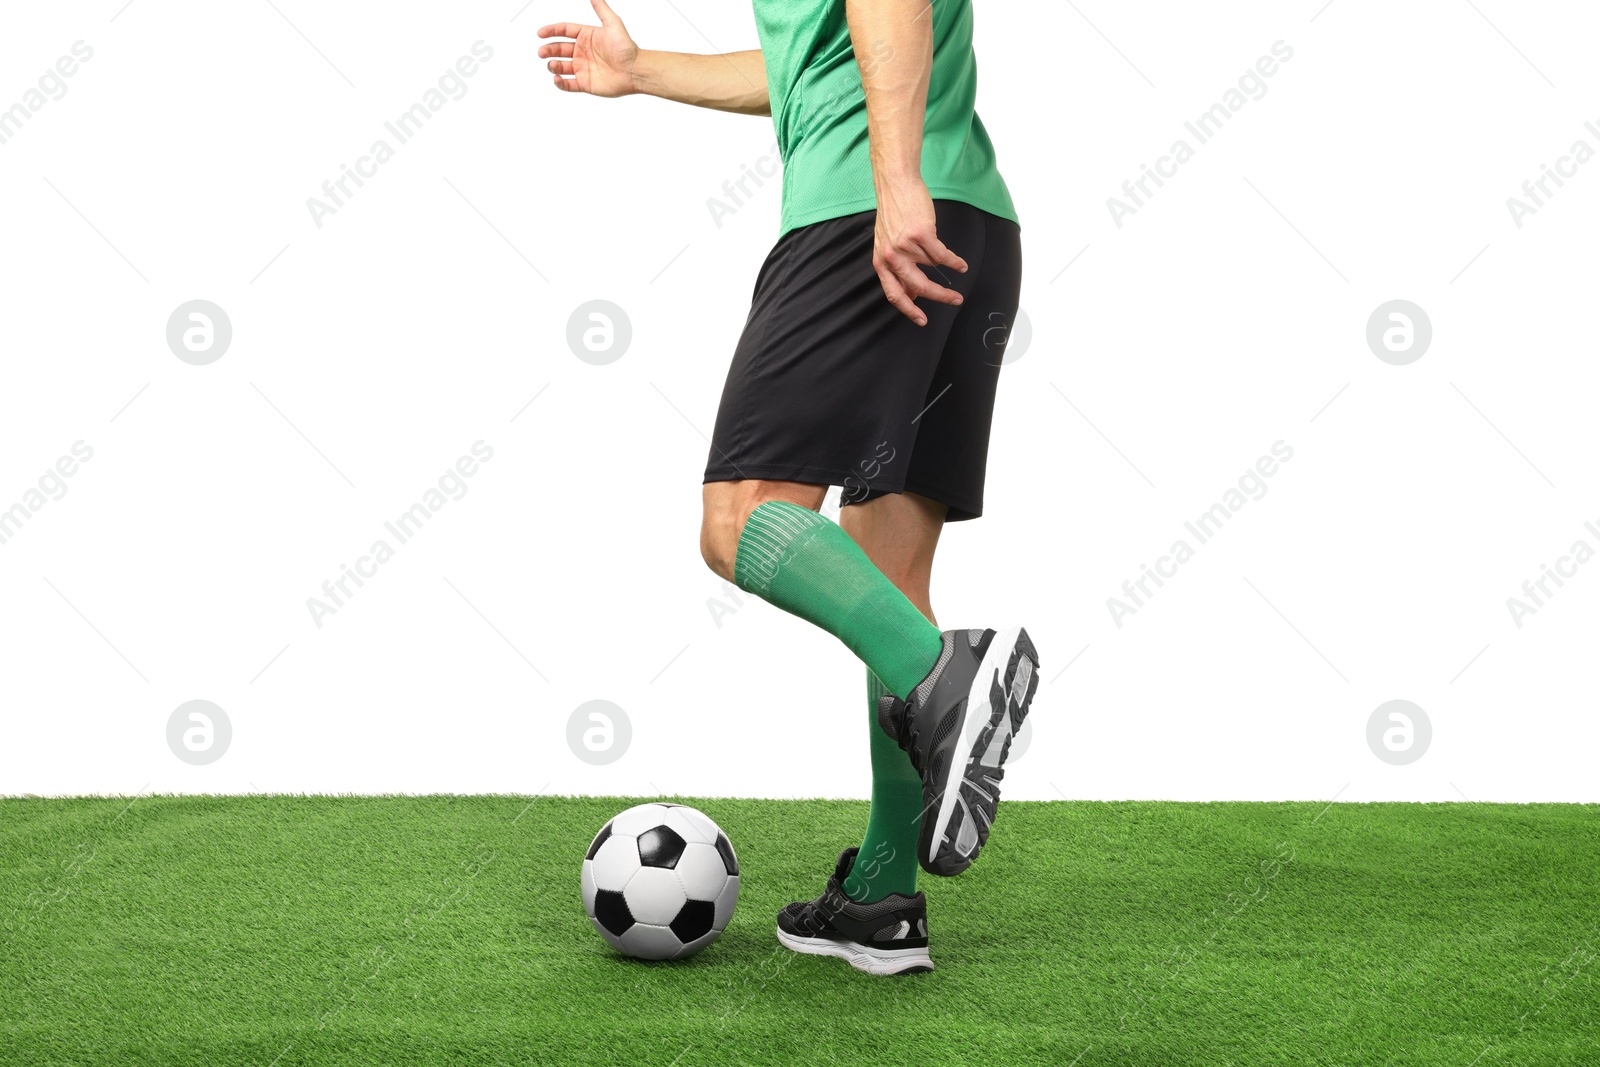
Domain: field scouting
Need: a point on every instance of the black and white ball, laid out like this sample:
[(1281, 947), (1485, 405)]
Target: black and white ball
[(660, 881)]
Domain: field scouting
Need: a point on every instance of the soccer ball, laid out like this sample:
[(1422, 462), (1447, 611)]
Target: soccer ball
[(660, 881)]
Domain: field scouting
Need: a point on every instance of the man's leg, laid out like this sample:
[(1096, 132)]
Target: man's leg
[(767, 538), (899, 533)]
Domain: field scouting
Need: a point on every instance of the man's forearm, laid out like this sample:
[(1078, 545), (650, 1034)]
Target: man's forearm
[(896, 85), (735, 81)]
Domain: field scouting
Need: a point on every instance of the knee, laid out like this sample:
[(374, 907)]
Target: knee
[(718, 544), (726, 506), (720, 523)]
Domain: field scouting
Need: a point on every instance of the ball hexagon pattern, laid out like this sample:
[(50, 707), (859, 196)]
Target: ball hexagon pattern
[(660, 881), (701, 871), (650, 942), (655, 896)]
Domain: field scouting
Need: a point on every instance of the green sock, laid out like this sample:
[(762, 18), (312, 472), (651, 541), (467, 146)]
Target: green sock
[(887, 862), (794, 558)]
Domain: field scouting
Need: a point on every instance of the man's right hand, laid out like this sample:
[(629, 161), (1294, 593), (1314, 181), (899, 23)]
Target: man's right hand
[(598, 60), (905, 237)]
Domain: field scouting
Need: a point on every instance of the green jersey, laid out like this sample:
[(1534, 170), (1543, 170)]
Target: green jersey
[(819, 112)]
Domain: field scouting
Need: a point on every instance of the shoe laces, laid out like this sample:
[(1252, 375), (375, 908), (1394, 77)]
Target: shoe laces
[(910, 735)]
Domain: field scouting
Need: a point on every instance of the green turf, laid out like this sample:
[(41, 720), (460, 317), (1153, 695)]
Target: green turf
[(449, 930)]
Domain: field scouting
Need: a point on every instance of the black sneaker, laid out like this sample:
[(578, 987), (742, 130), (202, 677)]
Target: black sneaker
[(957, 727), (889, 936)]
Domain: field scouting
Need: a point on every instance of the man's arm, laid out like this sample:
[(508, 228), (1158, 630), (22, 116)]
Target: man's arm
[(897, 100), (733, 81), (604, 61)]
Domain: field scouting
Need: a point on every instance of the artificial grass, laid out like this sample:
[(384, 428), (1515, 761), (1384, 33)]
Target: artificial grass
[(449, 930)]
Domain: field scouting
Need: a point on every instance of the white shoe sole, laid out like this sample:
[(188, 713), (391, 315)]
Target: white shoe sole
[(881, 961), (979, 709)]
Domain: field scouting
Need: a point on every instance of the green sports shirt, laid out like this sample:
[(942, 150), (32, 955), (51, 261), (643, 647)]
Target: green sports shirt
[(819, 112)]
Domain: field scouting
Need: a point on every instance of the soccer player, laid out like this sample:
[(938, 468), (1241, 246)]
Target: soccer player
[(859, 368)]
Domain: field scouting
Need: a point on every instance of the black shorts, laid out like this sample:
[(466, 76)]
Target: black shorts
[(830, 385)]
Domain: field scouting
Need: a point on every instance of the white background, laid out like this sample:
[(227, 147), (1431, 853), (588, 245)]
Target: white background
[(1167, 355)]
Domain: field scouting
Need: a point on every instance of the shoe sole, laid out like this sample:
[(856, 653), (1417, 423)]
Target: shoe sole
[(999, 698), (888, 961)]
